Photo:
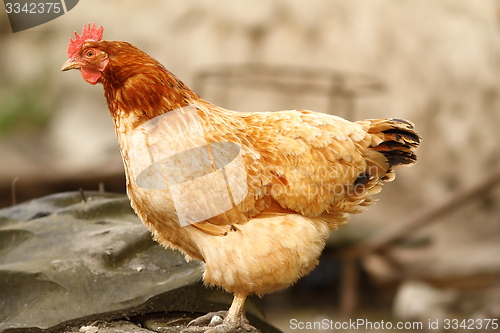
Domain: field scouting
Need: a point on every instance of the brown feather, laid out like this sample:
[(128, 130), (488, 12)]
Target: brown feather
[(212, 229)]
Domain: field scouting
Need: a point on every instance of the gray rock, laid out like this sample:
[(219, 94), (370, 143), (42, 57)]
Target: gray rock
[(66, 264)]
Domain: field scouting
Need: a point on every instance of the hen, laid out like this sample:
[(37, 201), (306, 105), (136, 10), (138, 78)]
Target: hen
[(252, 195)]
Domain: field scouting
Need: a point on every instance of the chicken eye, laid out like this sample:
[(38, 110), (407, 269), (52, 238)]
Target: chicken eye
[(90, 53)]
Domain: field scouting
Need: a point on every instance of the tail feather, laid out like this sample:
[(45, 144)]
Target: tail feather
[(399, 140), (392, 143)]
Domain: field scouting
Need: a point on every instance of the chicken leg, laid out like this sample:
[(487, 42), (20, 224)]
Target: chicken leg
[(234, 320)]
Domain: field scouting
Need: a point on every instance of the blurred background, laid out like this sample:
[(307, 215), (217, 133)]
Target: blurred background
[(430, 248)]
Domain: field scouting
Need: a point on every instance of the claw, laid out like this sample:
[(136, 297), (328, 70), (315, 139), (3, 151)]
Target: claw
[(205, 320), (216, 322)]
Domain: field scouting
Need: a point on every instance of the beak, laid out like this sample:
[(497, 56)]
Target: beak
[(71, 64)]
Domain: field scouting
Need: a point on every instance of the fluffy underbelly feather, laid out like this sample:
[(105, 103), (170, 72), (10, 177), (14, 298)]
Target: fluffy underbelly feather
[(263, 255)]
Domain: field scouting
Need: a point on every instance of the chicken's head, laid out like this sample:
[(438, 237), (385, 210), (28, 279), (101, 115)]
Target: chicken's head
[(85, 55)]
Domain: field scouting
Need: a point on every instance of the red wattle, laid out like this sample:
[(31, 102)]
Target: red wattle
[(90, 75)]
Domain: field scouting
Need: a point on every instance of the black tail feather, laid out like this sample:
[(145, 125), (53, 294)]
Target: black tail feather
[(399, 141)]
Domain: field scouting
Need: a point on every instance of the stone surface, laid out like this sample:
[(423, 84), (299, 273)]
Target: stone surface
[(67, 264)]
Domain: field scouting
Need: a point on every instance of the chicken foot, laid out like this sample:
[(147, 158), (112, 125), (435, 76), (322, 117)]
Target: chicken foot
[(232, 321)]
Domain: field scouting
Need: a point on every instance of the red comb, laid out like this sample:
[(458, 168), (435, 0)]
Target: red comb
[(89, 33)]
